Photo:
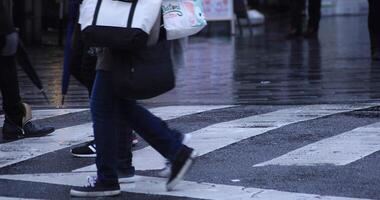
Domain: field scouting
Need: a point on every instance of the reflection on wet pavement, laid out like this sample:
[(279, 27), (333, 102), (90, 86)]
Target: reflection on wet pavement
[(262, 69)]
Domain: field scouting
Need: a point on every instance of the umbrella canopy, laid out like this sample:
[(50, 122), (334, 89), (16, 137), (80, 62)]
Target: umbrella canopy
[(24, 61), (73, 14)]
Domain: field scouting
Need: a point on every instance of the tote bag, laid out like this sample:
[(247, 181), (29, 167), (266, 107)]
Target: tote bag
[(183, 18), (118, 24), (143, 74)]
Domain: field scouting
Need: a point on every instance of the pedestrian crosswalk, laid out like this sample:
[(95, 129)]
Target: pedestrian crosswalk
[(340, 149)]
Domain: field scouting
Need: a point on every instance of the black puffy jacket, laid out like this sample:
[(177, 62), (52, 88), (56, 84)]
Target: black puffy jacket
[(6, 22)]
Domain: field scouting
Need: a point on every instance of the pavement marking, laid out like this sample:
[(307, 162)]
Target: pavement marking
[(43, 114), (338, 150), (156, 186), (223, 134), (21, 150)]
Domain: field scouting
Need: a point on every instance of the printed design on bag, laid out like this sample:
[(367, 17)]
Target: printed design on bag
[(195, 6), (172, 9)]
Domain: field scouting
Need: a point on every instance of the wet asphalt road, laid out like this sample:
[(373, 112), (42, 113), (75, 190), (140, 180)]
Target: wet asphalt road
[(260, 69)]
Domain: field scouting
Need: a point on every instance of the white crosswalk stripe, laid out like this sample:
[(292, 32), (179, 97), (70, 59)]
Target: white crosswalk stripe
[(156, 186), (17, 151), (342, 149), (336, 150), (223, 134)]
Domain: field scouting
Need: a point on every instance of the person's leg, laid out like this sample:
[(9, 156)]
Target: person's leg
[(314, 14), (10, 89), (106, 135), (17, 122), (296, 21), (371, 25), (164, 140), (374, 28), (124, 167), (314, 18), (152, 129)]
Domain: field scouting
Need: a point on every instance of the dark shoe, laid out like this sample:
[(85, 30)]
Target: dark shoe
[(11, 131), (185, 138), (96, 188), (180, 166), (87, 150)]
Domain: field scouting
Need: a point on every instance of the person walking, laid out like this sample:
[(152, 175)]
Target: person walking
[(374, 28), (17, 123), (110, 113), (82, 68), (296, 24)]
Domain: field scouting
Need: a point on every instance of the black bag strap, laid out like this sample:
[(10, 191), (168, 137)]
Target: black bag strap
[(95, 20), (131, 13)]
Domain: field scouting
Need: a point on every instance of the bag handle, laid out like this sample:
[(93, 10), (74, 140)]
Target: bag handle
[(131, 13)]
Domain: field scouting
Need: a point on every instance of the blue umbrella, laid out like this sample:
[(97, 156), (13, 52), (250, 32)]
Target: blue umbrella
[(73, 15)]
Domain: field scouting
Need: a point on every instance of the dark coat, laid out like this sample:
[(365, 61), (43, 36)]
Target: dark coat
[(6, 22)]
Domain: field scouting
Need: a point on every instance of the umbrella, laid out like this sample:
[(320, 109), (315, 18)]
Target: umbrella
[(24, 61), (73, 13)]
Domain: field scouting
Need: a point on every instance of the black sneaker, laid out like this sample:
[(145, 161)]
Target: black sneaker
[(88, 150), (180, 166), (96, 188), (165, 172)]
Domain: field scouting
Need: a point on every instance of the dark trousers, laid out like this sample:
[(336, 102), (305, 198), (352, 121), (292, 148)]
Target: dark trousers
[(111, 115), (374, 24), (297, 8), (9, 88)]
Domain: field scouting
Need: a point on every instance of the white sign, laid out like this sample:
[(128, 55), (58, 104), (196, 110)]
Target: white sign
[(220, 10)]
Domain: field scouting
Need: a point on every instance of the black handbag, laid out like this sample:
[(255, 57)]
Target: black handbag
[(144, 73)]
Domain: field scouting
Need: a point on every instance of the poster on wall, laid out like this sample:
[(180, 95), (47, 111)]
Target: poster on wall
[(218, 9)]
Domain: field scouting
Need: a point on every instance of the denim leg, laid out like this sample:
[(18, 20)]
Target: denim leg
[(314, 14), (106, 135), (152, 129), (125, 139)]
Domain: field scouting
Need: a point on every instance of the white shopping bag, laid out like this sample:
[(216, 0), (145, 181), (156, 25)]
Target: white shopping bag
[(121, 24), (183, 18)]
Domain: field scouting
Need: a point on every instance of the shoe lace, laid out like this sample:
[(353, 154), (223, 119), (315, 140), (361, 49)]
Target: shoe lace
[(91, 181)]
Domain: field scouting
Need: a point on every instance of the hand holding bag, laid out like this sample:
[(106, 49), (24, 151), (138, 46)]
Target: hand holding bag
[(118, 24), (183, 18)]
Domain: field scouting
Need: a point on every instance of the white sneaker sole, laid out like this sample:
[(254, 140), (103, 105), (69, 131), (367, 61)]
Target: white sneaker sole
[(75, 193), (84, 155)]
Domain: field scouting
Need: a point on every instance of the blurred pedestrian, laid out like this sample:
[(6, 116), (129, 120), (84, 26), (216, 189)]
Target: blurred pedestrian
[(17, 123), (82, 67), (374, 28), (296, 24), (110, 113)]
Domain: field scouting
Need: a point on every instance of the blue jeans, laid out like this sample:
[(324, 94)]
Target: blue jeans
[(111, 115)]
